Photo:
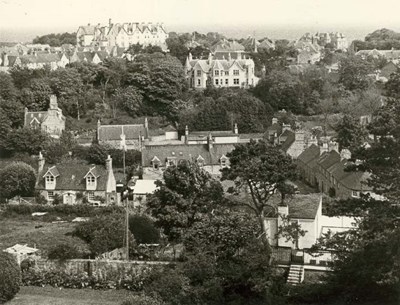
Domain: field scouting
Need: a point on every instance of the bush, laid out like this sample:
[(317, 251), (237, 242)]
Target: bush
[(10, 277), (143, 229), (142, 299), (61, 210), (64, 252), (132, 281)]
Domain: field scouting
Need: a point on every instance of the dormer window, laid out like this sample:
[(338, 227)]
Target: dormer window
[(90, 180), (155, 162), (223, 161)]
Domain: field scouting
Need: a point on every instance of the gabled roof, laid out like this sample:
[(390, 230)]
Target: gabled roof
[(87, 29), (71, 177), (290, 138), (227, 46), (114, 132), (188, 152), (329, 159), (309, 154), (93, 171), (40, 116), (52, 171)]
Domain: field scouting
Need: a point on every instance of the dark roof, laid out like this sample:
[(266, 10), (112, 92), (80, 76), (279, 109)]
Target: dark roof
[(290, 138), (304, 206), (71, 177), (113, 132), (309, 154), (185, 152), (329, 159), (275, 128), (39, 115), (354, 180)]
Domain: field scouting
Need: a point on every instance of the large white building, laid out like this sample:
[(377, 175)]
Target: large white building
[(227, 66), (122, 34)]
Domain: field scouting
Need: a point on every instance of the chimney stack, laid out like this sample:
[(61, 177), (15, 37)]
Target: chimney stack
[(109, 163), (345, 154), (146, 127), (41, 162), (210, 142), (324, 148), (274, 121), (236, 130)]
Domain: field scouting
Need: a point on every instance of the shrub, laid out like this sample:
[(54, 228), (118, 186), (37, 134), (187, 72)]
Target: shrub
[(132, 281), (10, 277), (142, 299), (64, 252), (143, 229)]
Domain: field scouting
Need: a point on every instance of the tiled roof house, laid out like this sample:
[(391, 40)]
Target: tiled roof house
[(73, 182)]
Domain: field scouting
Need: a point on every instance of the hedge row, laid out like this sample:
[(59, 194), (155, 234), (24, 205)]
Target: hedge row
[(61, 278), (61, 210)]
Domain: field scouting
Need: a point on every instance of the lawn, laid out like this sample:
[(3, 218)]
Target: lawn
[(42, 235), (56, 296)]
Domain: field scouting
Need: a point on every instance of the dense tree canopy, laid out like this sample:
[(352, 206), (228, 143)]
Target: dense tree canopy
[(186, 195), (56, 40), (260, 170), (17, 179)]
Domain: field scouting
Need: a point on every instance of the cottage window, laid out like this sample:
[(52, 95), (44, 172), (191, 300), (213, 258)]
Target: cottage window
[(49, 179), (235, 72), (91, 180), (216, 81), (226, 73), (198, 82), (216, 72), (236, 81), (50, 195), (198, 72), (226, 81)]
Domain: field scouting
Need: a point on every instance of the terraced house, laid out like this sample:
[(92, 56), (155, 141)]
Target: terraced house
[(328, 170), (122, 34)]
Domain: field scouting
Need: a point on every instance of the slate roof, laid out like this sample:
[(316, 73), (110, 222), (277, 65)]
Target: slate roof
[(38, 115), (227, 46), (328, 159), (354, 180), (185, 152), (309, 154), (71, 177), (304, 206), (113, 132), (290, 138)]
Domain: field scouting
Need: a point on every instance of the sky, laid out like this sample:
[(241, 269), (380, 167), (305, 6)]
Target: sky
[(57, 15)]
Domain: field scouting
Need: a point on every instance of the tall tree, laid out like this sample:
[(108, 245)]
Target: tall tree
[(353, 73), (262, 170), (187, 193), (350, 133)]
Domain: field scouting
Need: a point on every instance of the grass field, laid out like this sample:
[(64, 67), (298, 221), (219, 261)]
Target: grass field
[(43, 235), (55, 296)]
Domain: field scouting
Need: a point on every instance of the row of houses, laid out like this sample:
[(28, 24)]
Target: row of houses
[(122, 34), (329, 170)]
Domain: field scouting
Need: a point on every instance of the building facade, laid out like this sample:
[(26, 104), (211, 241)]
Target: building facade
[(51, 121), (226, 72), (75, 183), (122, 34)]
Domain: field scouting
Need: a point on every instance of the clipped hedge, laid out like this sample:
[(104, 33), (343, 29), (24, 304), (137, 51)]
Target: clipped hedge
[(10, 277), (142, 299), (60, 210)]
